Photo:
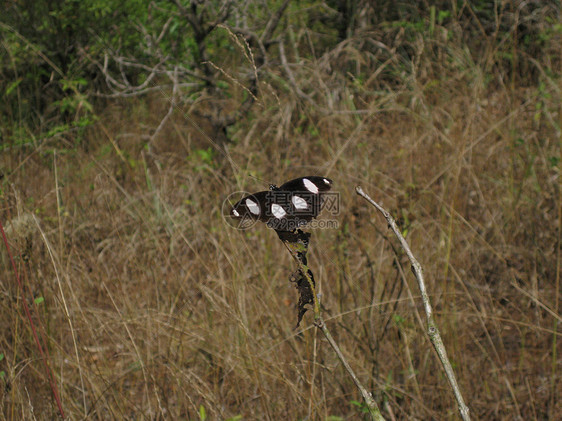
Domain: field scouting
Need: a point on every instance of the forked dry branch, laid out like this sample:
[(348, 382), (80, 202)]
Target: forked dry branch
[(432, 329)]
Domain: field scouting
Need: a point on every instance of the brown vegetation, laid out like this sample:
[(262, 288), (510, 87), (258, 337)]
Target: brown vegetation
[(152, 307)]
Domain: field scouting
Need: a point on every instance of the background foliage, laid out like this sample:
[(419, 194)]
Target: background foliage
[(126, 124)]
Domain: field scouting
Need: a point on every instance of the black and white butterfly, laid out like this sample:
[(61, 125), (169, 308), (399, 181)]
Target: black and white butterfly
[(287, 207)]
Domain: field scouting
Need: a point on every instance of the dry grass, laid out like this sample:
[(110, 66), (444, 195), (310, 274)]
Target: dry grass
[(154, 308)]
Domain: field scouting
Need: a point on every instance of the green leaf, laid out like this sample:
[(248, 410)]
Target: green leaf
[(361, 406), (202, 413), (39, 300), (10, 88), (398, 320), (442, 15)]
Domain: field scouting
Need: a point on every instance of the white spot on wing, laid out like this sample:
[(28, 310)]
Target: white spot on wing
[(299, 202), (235, 212), (253, 206), (278, 211), (310, 186)]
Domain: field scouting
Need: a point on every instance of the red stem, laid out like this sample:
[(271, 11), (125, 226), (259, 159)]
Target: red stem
[(50, 375)]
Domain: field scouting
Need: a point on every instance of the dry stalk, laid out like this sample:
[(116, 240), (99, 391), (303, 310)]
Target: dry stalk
[(319, 323), (432, 329), (371, 404)]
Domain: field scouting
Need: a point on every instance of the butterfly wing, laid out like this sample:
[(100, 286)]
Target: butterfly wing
[(312, 184), (251, 207), (287, 207), (306, 196)]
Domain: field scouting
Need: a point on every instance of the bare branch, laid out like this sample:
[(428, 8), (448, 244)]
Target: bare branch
[(164, 29), (223, 15), (290, 75), (174, 78), (271, 25), (432, 329)]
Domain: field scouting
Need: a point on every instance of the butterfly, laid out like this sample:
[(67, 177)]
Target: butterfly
[(287, 207)]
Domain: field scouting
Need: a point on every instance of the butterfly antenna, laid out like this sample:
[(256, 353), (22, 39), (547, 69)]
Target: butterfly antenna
[(257, 178), (271, 186)]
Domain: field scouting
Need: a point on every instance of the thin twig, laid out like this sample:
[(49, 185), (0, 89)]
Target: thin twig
[(271, 25), (290, 75), (432, 330), (174, 78), (369, 400)]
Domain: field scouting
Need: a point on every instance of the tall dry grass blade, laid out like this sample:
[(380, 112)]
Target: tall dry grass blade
[(66, 310)]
